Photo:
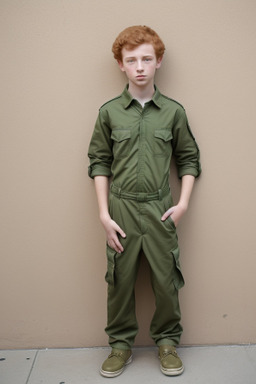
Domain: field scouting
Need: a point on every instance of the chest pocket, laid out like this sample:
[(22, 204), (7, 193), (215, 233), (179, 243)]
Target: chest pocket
[(162, 142), (121, 142)]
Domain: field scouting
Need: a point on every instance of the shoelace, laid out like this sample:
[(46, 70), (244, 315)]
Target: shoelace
[(170, 352), (116, 354)]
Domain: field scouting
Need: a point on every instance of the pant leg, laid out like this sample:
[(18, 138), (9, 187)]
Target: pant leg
[(160, 245), (122, 272)]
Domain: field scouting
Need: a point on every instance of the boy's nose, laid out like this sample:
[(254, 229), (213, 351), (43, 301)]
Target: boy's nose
[(139, 66)]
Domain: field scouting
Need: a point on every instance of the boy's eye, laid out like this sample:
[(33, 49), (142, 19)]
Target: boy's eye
[(148, 59), (130, 61)]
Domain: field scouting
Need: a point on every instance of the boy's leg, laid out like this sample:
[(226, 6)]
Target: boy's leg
[(160, 246), (121, 276), (122, 272), (161, 249)]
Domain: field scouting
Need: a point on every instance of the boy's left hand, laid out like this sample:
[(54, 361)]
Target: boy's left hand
[(176, 212)]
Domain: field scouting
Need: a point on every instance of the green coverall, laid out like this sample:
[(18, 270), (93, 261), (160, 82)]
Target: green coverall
[(134, 146)]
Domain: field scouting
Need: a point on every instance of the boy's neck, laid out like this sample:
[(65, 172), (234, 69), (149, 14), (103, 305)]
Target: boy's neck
[(143, 95)]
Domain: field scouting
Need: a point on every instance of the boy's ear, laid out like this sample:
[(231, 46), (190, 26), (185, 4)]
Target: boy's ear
[(121, 66), (159, 62)]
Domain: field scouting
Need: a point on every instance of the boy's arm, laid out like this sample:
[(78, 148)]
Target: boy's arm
[(177, 211), (110, 226)]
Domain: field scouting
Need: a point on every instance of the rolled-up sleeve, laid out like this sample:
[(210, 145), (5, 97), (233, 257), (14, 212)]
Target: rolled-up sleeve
[(100, 149), (185, 148)]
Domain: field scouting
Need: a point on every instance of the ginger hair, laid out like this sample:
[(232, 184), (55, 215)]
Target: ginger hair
[(132, 37)]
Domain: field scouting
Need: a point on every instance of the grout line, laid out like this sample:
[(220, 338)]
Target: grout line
[(32, 367), (134, 347)]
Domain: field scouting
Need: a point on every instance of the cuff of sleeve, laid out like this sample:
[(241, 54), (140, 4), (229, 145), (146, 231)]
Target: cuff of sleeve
[(189, 171), (98, 171)]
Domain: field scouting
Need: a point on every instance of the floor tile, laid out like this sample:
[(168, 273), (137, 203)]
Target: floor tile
[(15, 366), (69, 366)]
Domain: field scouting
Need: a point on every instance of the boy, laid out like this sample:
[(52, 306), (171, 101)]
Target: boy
[(133, 141)]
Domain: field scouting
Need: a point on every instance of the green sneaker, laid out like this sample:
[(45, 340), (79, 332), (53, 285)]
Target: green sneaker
[(171, 364), (115, 363)]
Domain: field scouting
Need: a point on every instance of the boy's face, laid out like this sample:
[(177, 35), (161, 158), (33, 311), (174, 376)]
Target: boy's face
[(140, 65)]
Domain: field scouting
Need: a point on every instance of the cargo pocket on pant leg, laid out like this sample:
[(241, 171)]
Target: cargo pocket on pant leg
[(110, 275), (178, 279)]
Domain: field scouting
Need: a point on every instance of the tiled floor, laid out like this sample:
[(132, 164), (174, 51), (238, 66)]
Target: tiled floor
[(203, 365)]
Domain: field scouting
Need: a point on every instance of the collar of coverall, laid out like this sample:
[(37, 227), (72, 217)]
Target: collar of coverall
[(127, 98)]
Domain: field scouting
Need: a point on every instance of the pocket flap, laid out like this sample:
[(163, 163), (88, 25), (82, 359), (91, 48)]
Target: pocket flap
[(178, 278), (110, 275), (164, 134), (120, 134)]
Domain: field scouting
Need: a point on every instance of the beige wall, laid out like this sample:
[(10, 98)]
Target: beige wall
[(56, 71)]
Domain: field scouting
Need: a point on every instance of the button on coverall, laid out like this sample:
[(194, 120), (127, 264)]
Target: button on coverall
[(134, 146)]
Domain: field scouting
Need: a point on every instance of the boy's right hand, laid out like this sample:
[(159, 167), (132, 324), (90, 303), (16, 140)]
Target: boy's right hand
[(112, 230)]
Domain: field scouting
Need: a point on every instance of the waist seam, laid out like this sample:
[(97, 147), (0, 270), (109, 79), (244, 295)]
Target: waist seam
[(139, 196)]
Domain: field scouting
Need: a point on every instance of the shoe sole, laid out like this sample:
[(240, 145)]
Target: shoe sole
[(116, 373), (172, 372)]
